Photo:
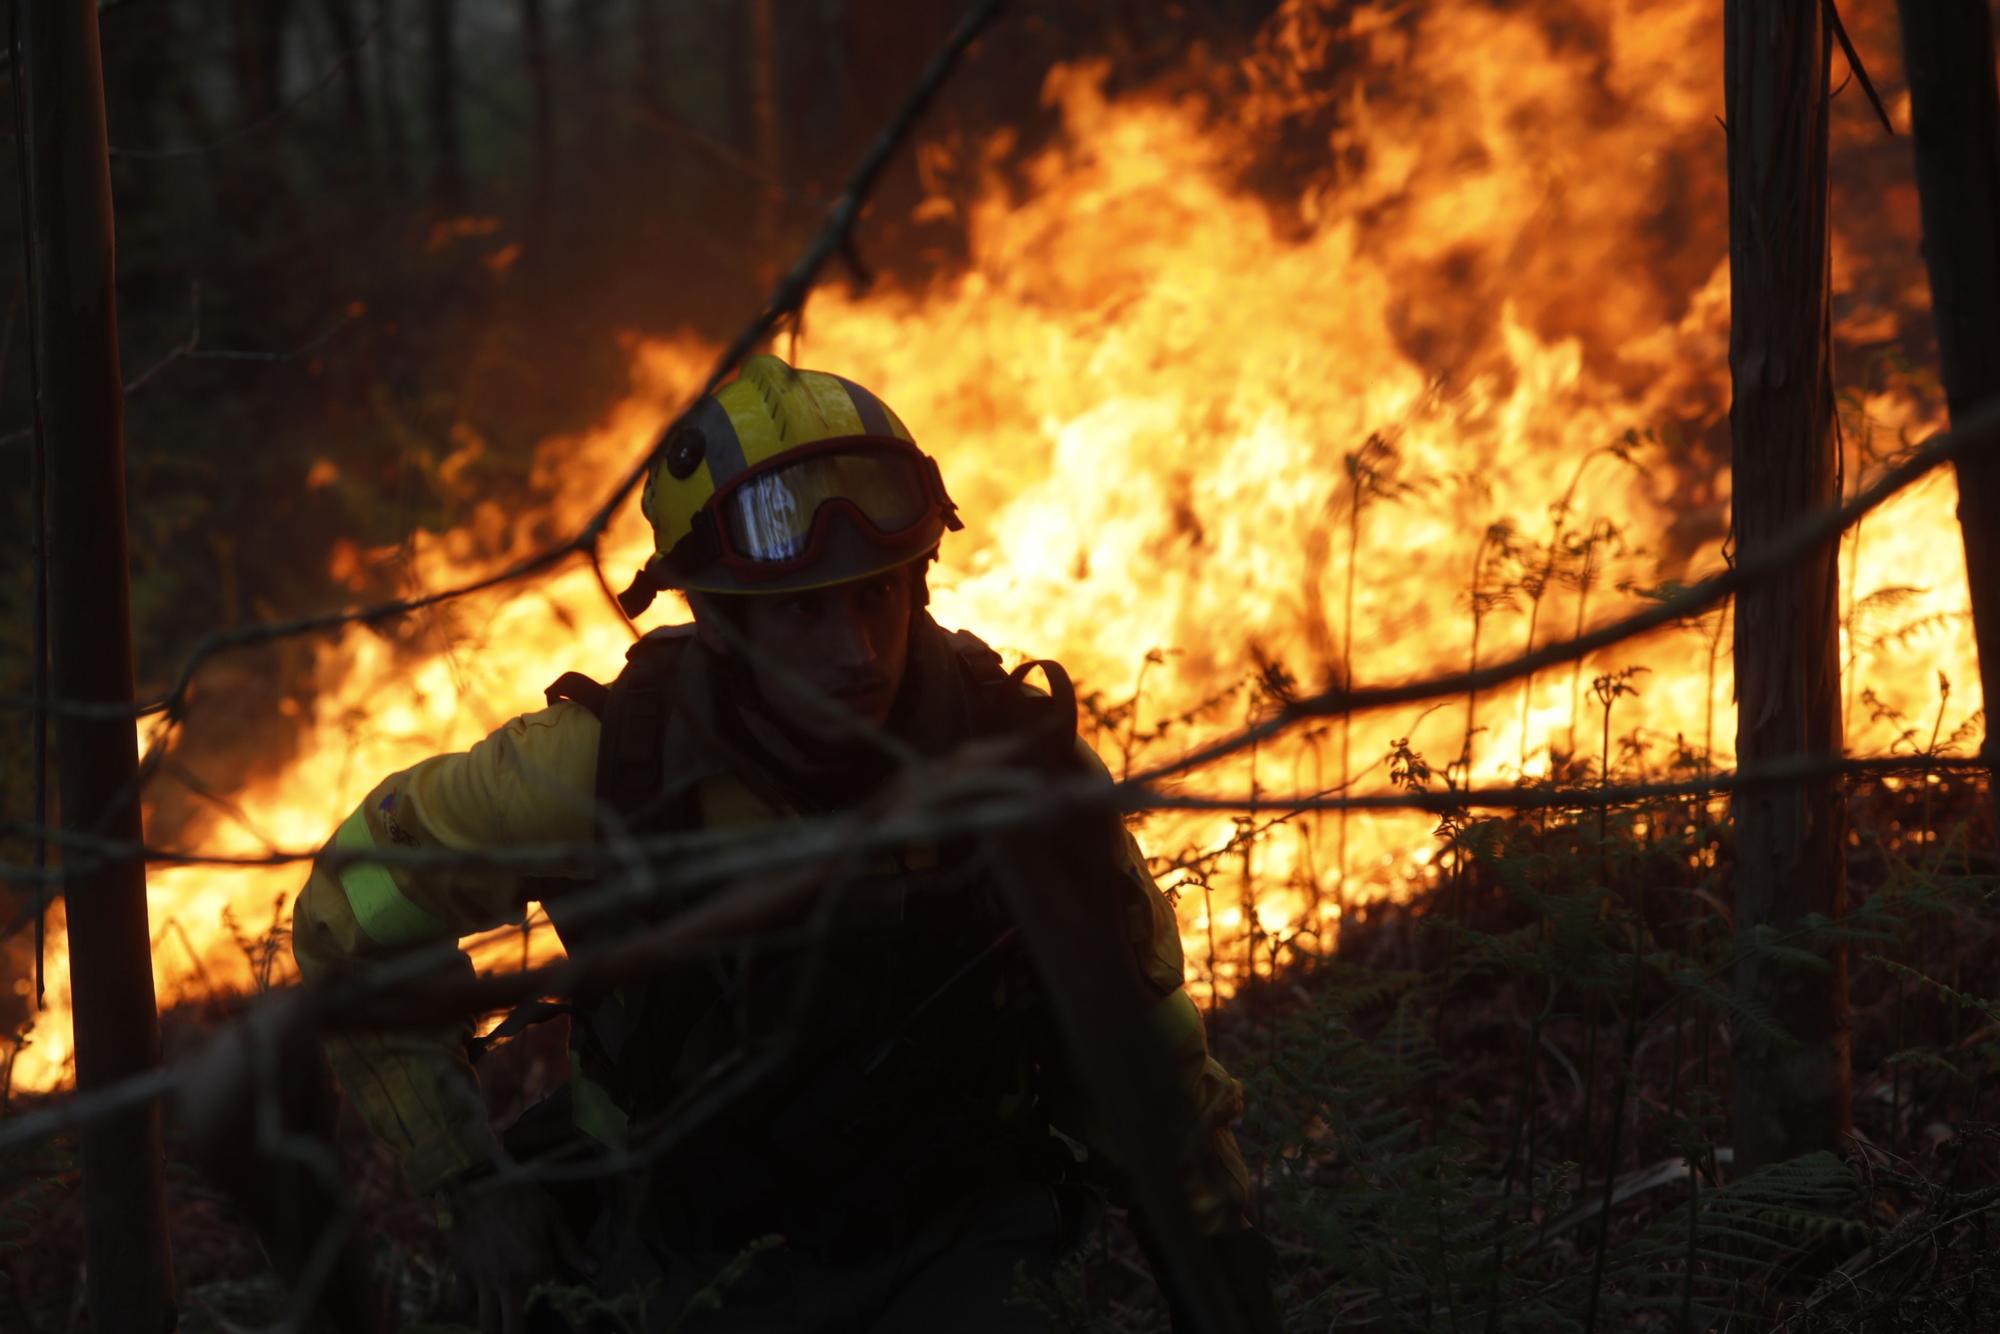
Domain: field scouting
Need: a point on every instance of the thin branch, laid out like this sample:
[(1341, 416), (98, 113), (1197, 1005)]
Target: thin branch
[(271, 117), (766, 878), (722, 154), (1859, 70), (833, 234), (952, 799), (190, 349), (1580, 798), (1979, 430), (789, 294)]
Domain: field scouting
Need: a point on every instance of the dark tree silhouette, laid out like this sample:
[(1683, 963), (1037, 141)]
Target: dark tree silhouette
[(441, 100), (345, 26), (389, 92), (1790, 1096), (79, 411), (1955, 113), (535, 51)]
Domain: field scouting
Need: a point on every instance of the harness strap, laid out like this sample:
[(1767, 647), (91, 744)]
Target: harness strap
[(580, 689), (631, 759), (1050, 723), (1062, 692)]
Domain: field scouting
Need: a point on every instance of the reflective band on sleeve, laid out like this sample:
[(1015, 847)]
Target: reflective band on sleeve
[(385, 913)]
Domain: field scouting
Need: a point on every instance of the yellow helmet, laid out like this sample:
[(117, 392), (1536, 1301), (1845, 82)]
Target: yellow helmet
[(788, 479)]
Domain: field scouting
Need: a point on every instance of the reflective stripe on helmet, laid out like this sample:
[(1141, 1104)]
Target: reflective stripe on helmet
[(721, 445), (874, 416), (385, 914)]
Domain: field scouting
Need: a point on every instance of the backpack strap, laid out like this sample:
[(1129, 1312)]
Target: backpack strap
[(631, 754), (579, 689), (1047, 723), (633, 713), (1061, 703), (1003, 705)]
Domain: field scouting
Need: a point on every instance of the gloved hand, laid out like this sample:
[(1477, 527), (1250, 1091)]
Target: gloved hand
[(1243, 1259)]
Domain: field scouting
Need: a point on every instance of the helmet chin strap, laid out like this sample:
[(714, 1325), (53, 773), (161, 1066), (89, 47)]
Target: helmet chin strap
[(639, 594)]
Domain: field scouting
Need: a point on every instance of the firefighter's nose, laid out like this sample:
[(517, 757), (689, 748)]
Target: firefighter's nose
[(853, 644)]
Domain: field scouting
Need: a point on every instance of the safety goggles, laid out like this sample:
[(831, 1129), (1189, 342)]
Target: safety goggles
[(776, 520)]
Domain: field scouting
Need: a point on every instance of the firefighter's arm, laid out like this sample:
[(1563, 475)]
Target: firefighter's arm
[(1216, 1180), (1218, 1183), (529, 782)]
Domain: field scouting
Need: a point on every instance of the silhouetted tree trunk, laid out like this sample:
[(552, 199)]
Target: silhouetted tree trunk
[(341, 21), (260, 34), (648, 67), (79, 410), (839, 95), (764, 122), (593, 84), (389, 92), (441, 99), (535, 41), (1955, 113), (1790, 1097)]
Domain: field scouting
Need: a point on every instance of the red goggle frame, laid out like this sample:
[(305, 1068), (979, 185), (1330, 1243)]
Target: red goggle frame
[(777, 518)]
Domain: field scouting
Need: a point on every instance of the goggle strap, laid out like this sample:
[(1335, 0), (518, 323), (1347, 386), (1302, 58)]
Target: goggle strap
[(946, 509)]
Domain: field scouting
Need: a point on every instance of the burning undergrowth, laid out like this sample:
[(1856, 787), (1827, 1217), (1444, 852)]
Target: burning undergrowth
[(1455, 391)]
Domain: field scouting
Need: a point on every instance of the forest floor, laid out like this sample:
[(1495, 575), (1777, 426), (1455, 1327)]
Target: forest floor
[(1416, 1170)]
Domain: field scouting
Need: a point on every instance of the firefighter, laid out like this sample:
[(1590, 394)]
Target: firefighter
[(861, 1125)]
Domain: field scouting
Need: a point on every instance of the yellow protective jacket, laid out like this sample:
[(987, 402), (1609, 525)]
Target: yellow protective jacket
[(532, 782)]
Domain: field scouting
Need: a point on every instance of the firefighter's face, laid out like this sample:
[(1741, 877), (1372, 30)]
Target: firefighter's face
[(848, 643)]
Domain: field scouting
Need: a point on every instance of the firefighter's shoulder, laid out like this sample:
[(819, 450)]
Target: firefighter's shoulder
[(560, 742)]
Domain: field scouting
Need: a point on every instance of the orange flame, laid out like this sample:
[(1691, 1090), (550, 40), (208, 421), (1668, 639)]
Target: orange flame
[(1153, 392)]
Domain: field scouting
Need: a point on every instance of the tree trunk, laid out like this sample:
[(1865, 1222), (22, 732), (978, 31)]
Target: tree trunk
[(346, 28), (593, 81), (648, 55), (389, 93), (1955, 110), (441, 100), (535, 41), (1790, 1096), (260, 44), (79, 410), (764, 120)]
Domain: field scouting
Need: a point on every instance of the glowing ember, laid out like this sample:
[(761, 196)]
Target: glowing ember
[(1146, 387)]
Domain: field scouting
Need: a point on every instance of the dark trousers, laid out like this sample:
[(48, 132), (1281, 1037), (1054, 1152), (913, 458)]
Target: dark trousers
[(887, 1271), (959, 1270)]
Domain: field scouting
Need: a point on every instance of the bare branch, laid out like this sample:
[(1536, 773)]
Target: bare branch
[(190, 349), (277, 113), (1979, 431)]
